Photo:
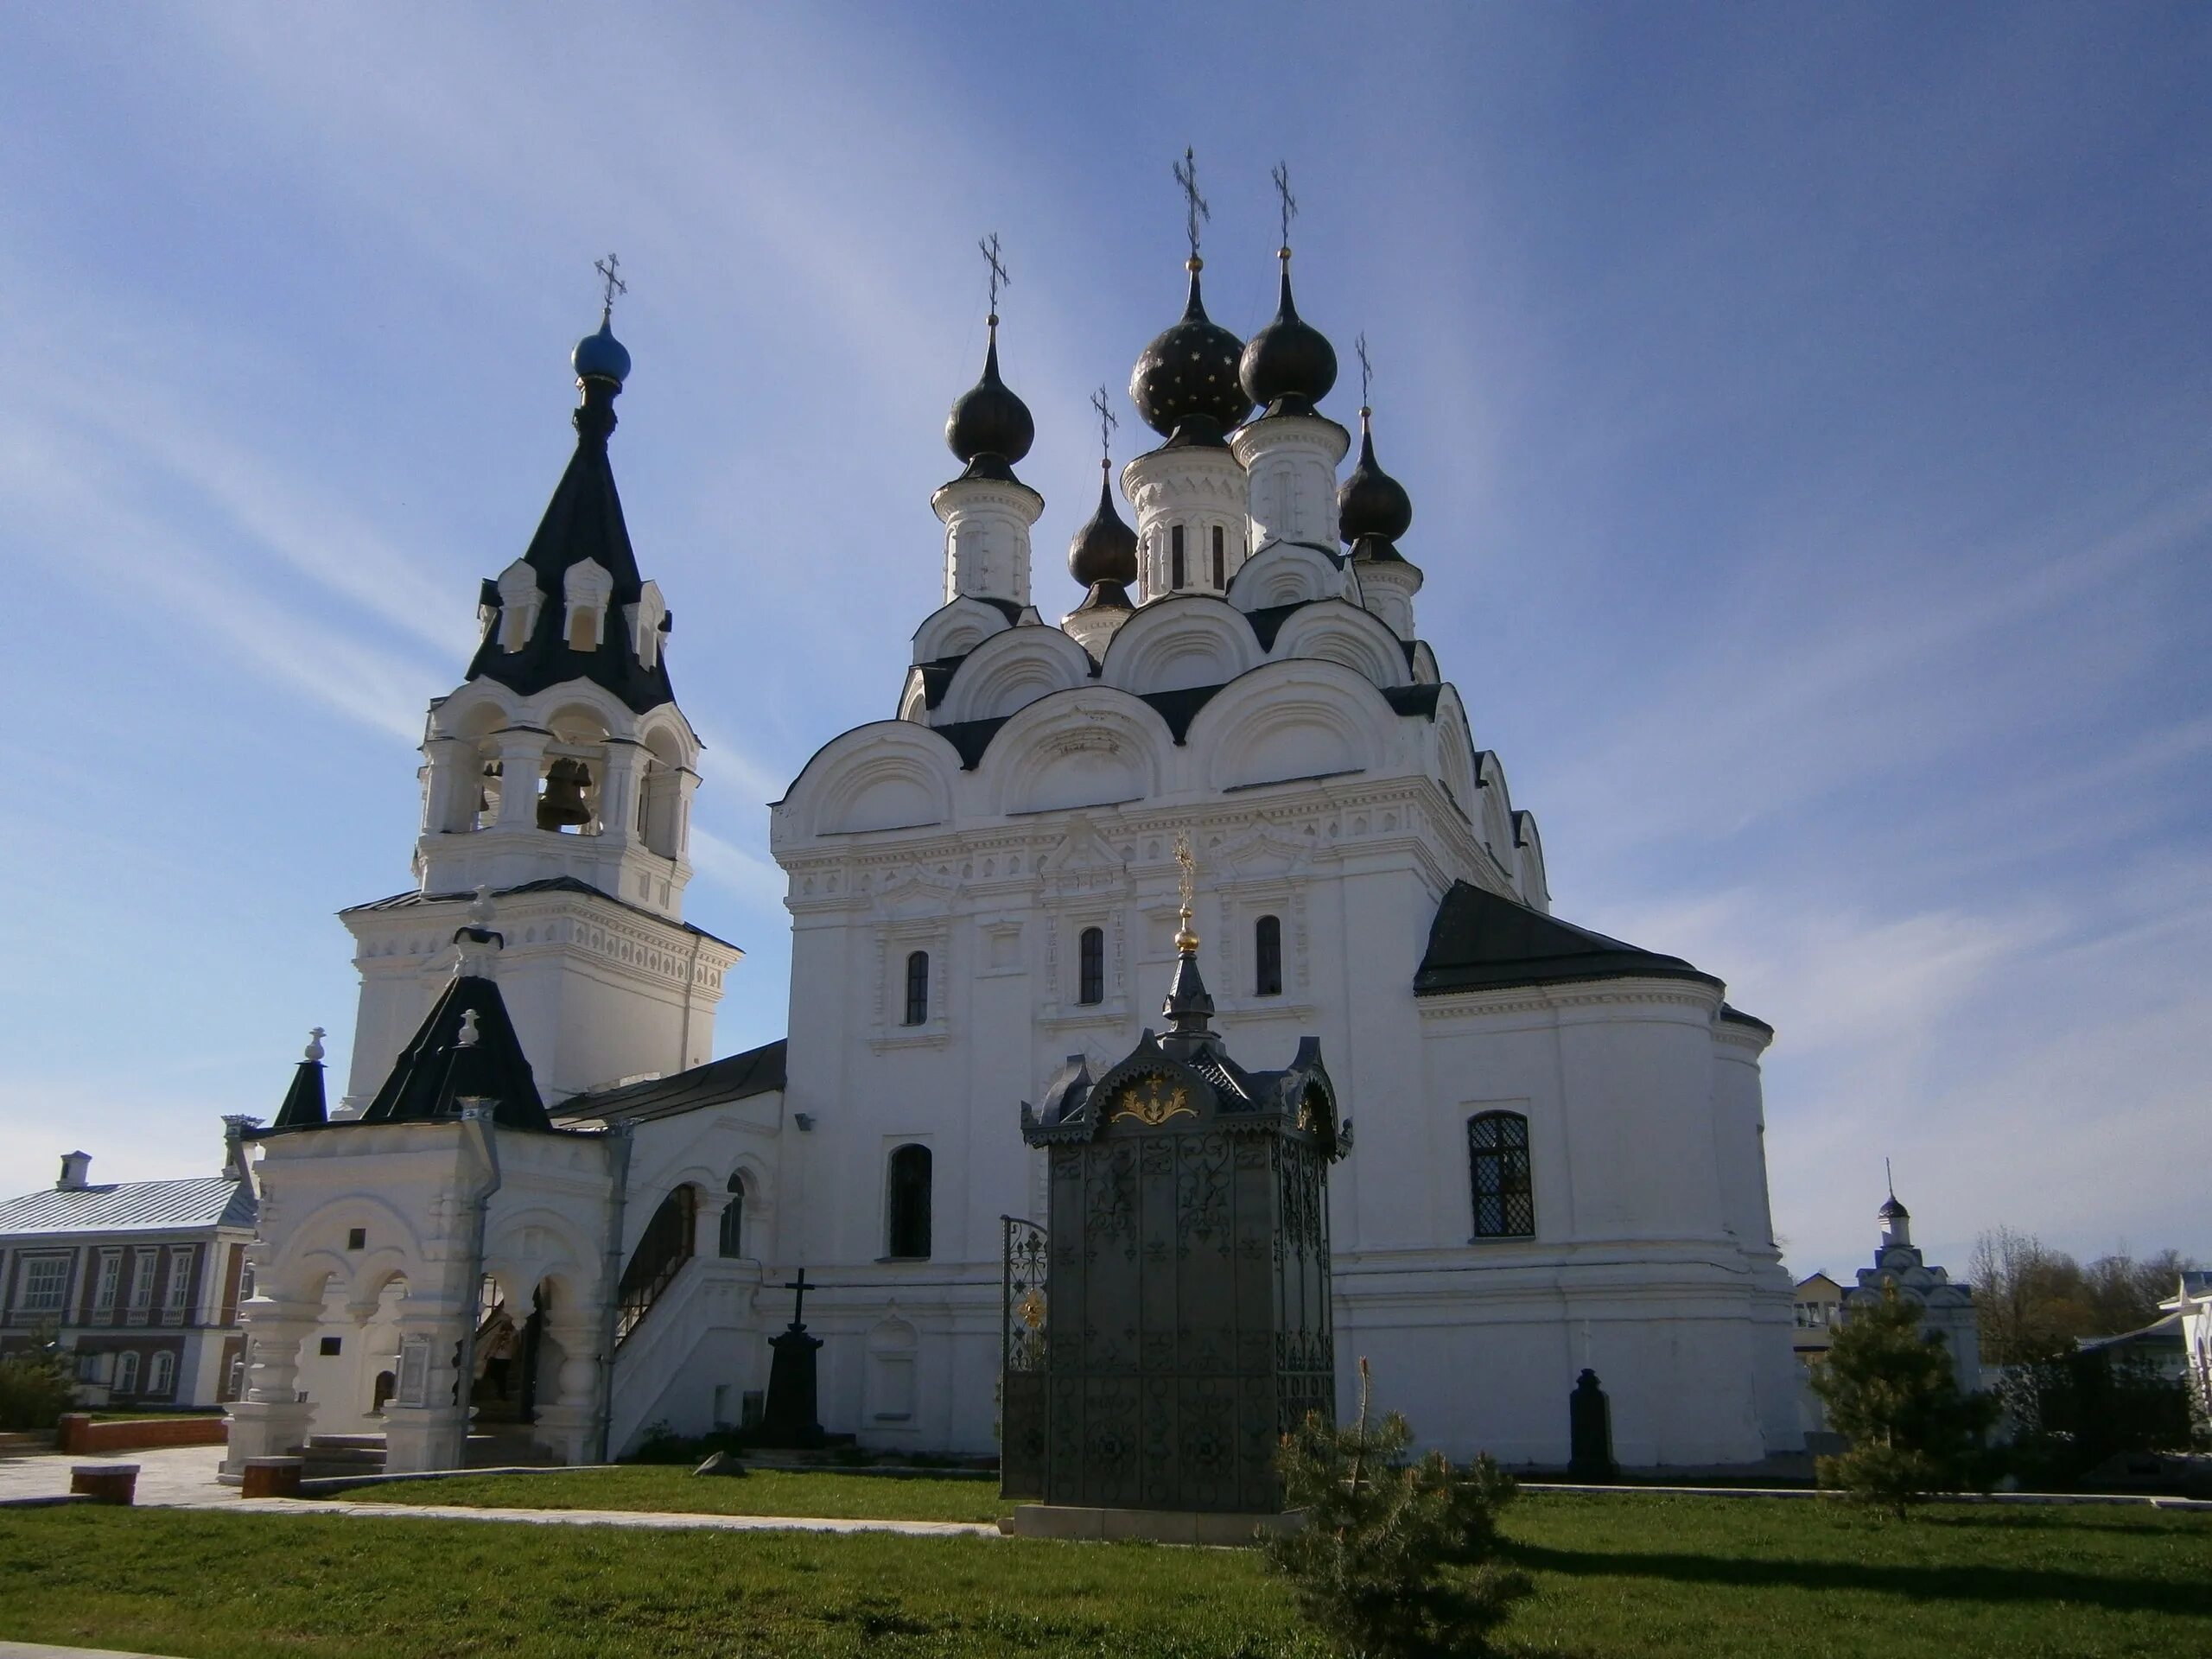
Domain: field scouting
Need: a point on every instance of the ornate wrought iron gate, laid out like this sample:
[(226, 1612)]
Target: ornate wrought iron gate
[(1021, 1369)]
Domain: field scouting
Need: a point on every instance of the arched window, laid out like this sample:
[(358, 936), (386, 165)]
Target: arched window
[(661, 1253), (126, 1374), (161, 1375), (1091, 949), (1219, 567), (1498, 1167), (917, 988), (907, 1234), (1266, 956), (1175, 556), (733, 1218)]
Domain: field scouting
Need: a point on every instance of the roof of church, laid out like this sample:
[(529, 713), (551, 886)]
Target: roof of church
[(132, 1206), (583, 521), (734, 1076), (547, 884), (454, 1059), (1482, 941)]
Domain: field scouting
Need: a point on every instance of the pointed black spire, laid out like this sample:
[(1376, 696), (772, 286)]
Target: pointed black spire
[(303, 1107), (1190, 1005)]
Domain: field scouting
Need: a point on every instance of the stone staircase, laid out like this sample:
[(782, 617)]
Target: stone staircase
[(339, 1456)]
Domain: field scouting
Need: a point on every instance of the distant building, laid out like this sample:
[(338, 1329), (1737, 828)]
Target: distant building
[(1946, 1308), (140, 1280), (1820, 1310)]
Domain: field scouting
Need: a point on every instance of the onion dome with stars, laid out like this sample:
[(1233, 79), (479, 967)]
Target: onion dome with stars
[(989, 429), (1289, 366), (1373, 509), (1103, 555), (1185, 384)]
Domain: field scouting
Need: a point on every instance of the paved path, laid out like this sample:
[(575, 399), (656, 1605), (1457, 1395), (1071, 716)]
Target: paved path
[(40, 1650), (183, 1478)]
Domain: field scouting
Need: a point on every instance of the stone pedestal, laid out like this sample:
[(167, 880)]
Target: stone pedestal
[(791, 1417), (421, 1438), (272, 1477)]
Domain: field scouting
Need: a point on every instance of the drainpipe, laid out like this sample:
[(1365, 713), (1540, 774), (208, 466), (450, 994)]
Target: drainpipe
[(618, 1159), (690, 991), (476, 1123)]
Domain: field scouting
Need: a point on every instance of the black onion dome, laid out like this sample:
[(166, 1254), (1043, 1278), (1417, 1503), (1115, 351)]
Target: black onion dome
[(1105, 549), (1186, 383), (1371, 502), (1288, 365), (988, 419)]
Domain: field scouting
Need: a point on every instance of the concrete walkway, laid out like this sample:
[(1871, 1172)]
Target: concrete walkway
[(183, 1478), (40, 1650)]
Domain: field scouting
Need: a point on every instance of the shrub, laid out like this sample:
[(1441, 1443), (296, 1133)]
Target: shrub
[(1394, 1557), (36, 1386), (1890, 1388)]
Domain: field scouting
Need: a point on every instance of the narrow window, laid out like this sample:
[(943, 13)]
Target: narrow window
[(1092, 950), (1497, 1166), (111, 1277), (732, 1241), (1175, 557), (908, 1228), (917, 988), (1267, 956), (161, 1375), (1219, 565), (179, 1285), (126, 1374)]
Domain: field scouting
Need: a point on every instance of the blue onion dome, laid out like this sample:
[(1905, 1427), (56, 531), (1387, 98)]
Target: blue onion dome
[(1105, 549), (1185, 384), (1288, 365), (990, 428), (1371, 506), (600, 356)]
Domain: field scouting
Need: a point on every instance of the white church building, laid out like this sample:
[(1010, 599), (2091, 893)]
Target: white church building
[(538, 1179)]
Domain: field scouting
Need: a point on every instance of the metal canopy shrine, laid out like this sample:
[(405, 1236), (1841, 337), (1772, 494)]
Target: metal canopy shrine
[(1181, 1323)]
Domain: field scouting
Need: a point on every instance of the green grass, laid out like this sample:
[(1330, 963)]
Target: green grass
[(673, 1491), (1696, 1579)]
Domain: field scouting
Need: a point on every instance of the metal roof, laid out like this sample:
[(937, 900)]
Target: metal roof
[(718, 1083), (131, 1207)]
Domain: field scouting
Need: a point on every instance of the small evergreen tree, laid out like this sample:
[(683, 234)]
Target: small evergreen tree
[(1395, 1558), (1890, 1390), (37, 1384)]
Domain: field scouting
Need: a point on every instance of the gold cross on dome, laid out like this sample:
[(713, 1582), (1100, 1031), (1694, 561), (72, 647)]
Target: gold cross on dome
[(1189, 884)]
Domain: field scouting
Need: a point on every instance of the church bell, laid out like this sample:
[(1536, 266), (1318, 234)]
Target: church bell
[(563, 803)]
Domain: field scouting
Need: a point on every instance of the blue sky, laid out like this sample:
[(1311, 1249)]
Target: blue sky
[(1805, 412)]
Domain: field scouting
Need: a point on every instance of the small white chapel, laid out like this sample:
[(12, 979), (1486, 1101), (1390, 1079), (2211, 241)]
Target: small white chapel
[(541, 1202)]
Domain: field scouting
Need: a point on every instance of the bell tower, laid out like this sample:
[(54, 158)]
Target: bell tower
[(559, 776)]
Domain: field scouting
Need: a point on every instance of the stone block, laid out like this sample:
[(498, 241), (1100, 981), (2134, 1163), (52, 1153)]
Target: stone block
[(272, 1477), (104, 1483)]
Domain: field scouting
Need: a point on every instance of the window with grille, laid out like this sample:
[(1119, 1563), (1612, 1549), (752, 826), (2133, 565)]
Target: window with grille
[(917, 988), (46, 1280), (1091, 950), (733, 1239), (1266, 956), (1497, 1161), (907, 1229), (1175, 557)]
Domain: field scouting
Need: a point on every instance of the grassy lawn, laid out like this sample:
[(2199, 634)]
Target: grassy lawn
[(1702, 1579), (675, 1490)]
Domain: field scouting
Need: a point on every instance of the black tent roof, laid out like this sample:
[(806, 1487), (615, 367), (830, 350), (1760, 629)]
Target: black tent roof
[(437, 1071)]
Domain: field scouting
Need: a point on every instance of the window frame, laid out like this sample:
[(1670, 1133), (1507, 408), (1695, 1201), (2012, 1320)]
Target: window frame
[(1220, 560), (915, 1009), (1514, 1192), (126, 1373), (1090, 967), (730, 1234), (1175, 566), (27, 1302), (898, 1224), (1266, 955)]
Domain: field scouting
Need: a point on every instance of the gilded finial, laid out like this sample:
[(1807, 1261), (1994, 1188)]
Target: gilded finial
[(1186, 940)]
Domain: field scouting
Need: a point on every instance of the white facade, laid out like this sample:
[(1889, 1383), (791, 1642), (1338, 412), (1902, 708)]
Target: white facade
[(1946, 1309), (985, 884)]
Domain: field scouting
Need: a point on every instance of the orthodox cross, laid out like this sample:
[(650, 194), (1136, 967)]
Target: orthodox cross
[(1106, 425), (798, 1302), (611, 284), (1289, 203), (1194, 205), (1188, 885), (989, 245), (1366, 369)]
